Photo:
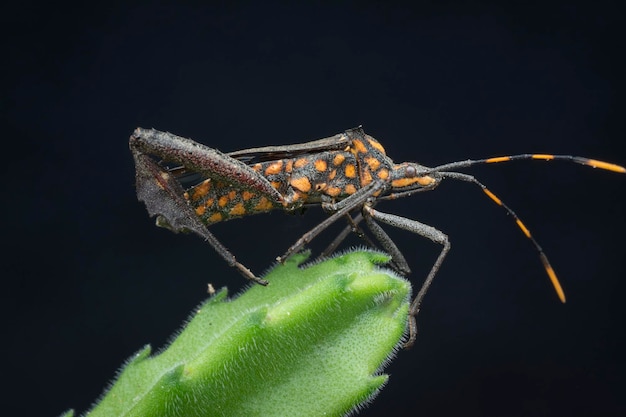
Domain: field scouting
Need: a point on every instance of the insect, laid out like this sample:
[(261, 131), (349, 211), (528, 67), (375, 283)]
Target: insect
[(347, 174)]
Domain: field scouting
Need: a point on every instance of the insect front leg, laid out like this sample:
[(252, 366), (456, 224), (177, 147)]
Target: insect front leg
[(352, 227), (340, 209), (426, 231), (398, 262)]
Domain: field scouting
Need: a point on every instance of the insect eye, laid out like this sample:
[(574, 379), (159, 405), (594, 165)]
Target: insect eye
[(411, 171)]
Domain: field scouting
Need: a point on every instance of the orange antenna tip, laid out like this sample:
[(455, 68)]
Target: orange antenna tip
[(553, 278), (606, 165)]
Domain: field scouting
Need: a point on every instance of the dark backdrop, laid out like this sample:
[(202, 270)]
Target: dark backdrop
[(88, 279)]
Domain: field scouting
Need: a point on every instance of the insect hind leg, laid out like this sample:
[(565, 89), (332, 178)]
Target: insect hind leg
[(426, 231), (353, 226), (163, 196)]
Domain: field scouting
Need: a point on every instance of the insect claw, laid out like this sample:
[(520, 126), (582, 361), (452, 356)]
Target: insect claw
[(249, 275), (246, 272)]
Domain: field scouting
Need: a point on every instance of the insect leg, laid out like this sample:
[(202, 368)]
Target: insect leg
[(388, 245), (353, 223), (353, 226), (398, 262), (199, 158), (163, 196), (423, 230), (340, 209)]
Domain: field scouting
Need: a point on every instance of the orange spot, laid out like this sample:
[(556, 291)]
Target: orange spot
[(263, 205), (350, 189), (372, 162), (300, 162), (493, 196), (366, 178), (497, 159), (320, 165), (274, 168), (524, 229), (200, 210), (350, 171), (186, 195), (332, 174), (232, 194), (275, 184), (383, 174), (302, 184), (333, 191), (209, 202), (289, 166), (222, 201), (237, 210), (247, 195), (375, 144), (606, 165), (402, 182), (358, 146), (405, 182), (320, 186), (338, 159), (295, 197), (215, 217), (257, 167), (201, 190), (543, 156)]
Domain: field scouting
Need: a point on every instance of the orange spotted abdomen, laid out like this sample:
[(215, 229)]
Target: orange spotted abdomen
[(214, 201)]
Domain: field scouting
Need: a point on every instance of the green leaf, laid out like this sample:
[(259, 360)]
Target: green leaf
[(311, 343)]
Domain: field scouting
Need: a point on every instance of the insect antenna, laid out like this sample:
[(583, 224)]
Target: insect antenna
[(545, 157), (544, 259), (443, 171)]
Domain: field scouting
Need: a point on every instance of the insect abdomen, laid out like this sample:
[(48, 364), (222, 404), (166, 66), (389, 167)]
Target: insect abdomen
[(214, 202)]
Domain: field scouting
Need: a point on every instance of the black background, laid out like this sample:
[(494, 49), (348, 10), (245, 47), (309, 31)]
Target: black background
[(88, 279)]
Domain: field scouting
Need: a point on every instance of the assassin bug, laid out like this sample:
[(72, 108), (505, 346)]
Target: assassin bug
[(345, 173)]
